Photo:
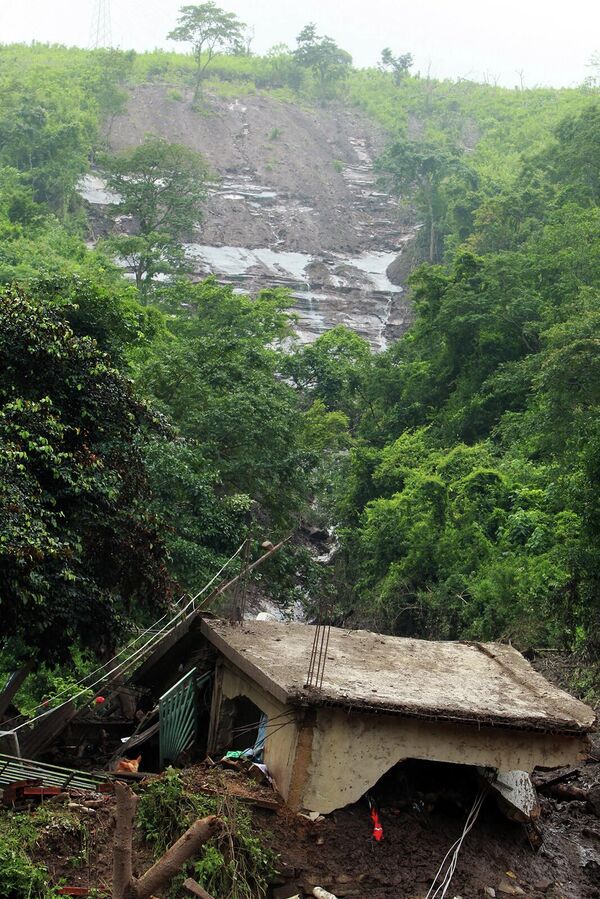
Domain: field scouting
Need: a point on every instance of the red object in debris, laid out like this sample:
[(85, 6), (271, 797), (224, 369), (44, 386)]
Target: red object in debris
[(14, 792), (40, 792), (377, 828), (99, 700), (73, 891)]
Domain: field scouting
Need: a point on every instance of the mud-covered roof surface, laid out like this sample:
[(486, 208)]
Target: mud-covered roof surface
[(477, 682)]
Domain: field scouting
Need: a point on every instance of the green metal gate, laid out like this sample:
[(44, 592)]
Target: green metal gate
[(177, 710)]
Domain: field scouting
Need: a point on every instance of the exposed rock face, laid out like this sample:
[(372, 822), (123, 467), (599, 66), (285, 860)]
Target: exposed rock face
[(296, 205)]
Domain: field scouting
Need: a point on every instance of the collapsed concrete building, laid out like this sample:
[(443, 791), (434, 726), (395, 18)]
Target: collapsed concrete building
[(379, 704), (382, 700)]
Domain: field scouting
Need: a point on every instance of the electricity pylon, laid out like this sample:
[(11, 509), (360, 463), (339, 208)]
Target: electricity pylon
[(101, 29)]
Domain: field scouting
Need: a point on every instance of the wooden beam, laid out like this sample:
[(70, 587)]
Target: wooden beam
[(223, 587), (195, 889), (215, 708)]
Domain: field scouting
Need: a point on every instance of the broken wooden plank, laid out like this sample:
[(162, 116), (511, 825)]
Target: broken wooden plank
[(137, 739), (195, 889), (542, 783), (40, 792), (41, 735), (269, 804), (12, 686), (11, 792)]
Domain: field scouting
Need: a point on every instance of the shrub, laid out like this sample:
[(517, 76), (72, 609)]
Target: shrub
[(233, 865), (20, 877)]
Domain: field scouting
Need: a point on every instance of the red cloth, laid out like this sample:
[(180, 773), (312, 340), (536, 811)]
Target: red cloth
[(377, 828)]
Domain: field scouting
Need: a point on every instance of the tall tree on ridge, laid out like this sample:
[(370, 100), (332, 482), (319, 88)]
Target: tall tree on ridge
[(210, 30), (398, 65), (328, 62), (420, 168)]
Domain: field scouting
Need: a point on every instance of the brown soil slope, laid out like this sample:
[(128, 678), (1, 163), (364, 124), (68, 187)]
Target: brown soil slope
[(296, 153), (295, 204)]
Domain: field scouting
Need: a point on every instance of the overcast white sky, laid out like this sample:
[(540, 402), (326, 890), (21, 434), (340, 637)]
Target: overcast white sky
[(550, 40)]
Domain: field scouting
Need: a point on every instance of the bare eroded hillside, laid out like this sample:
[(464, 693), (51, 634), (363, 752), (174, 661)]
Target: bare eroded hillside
[(296, 204)]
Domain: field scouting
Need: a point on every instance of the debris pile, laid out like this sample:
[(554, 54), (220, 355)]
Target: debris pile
[(421, 815)]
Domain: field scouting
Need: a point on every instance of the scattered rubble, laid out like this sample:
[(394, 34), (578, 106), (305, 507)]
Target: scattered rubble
[(338, 854)]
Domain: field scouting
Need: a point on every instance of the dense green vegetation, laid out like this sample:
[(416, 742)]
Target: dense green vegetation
[(151, 427), (470, 503), (78, 549), (20, 876)]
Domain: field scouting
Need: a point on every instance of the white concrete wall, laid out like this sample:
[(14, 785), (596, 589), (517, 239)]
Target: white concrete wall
[(350, 752), (343, 754), (282, 731)]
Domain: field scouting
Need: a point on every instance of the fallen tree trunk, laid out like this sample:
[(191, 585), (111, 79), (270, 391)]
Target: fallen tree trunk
[(195, 889), (122, 850), (161, 873), (156, 878)]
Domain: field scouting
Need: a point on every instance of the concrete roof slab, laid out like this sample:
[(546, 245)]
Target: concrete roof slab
[(484, 683)]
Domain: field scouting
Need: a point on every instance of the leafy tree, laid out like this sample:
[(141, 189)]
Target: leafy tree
[(18, 209), (284, 70), (162, 186), (108, 74), (241, 432), (330, 370), (79, 552), (418, 169), (47, 134), (106, 309), (210, 30), (328, 62), (399, 66), (572, 162)]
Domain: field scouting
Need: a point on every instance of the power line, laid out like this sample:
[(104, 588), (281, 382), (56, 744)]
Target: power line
[(126, 664), (101, 27)]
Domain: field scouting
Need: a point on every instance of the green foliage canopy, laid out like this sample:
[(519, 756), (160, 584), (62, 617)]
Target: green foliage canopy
[(210, 30), (328, 62), (162, 186), (78, 549)]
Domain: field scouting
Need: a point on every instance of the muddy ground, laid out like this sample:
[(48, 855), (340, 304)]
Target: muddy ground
[(341, 855), (278, 151), (420, 823)]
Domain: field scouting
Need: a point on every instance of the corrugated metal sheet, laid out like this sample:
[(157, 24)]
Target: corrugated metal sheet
[(178, 714), (13, 769)]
